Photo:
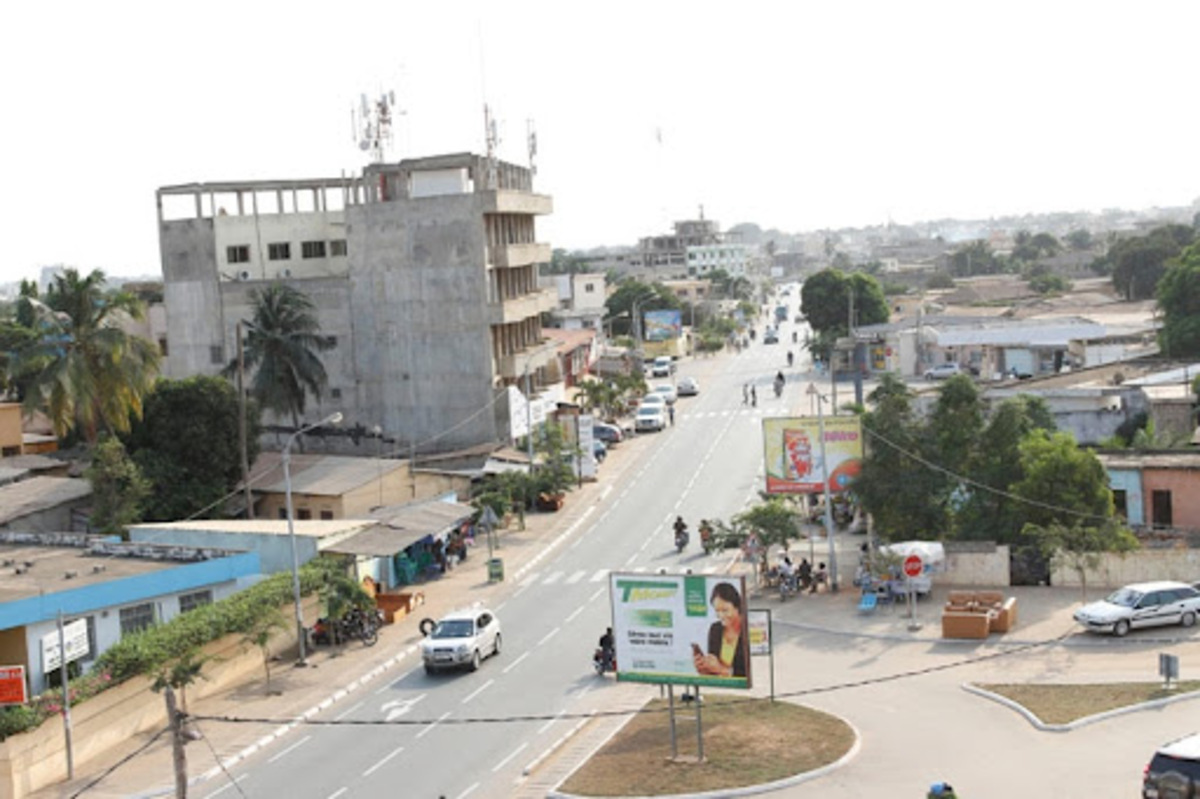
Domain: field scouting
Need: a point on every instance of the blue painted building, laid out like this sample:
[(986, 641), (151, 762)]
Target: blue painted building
[(117, 587)]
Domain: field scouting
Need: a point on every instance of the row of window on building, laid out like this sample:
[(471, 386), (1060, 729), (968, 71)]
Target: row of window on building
[(282, 250)]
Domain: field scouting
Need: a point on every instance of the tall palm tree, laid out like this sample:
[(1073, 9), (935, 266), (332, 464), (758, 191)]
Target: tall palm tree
[(282, 342), (84, 370)]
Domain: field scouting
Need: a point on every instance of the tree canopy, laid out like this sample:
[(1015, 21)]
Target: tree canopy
[(825, 302), (1179, 300), (1137, 264)]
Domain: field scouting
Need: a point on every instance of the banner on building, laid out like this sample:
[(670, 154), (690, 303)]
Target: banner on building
[(792, 449), (12, 685), (681, 629), (663, 325)]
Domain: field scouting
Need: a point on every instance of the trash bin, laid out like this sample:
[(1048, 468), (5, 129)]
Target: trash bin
[(496, 570)]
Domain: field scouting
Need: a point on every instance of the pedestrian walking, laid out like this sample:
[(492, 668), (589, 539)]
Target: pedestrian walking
[(753, 397), (745, 393), (671, 414)]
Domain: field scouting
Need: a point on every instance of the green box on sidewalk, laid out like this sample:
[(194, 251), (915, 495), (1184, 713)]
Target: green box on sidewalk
[(496, 570)]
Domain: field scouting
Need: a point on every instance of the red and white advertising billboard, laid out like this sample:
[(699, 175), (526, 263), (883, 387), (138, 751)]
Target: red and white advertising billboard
[(792, 448)]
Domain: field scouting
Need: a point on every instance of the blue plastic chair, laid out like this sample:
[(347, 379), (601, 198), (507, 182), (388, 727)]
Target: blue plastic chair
[(868, 602)]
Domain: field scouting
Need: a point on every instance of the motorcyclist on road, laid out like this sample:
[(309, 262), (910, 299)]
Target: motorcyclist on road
[(681, 534), (706, 533), (791, 358), (608, 650), (779, 383), (794, 339)]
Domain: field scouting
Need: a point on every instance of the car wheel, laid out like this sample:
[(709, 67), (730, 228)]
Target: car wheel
[(1187, 619), (1121, 628), (475, 661), (496, 646)]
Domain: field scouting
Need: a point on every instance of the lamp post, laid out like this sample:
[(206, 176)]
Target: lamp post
[(833, 572), (332, 418)]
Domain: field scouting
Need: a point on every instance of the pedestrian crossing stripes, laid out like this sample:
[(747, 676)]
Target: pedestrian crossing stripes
[(563, 578)]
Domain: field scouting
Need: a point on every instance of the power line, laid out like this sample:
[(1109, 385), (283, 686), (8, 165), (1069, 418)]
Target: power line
[(120, 763)]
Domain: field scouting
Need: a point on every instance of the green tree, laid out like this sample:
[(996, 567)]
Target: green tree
[(1179, 301), (647, 296), (91, 375), (265, 624), (1080, 239), (1137, 264), (187, 445), (989, 512), (281, 346), (897, 486), (956, 423), (118, 487), (825, 302), (1062, 484), (974, 258)]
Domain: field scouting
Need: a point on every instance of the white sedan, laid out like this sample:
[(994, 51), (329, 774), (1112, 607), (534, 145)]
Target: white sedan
[(688, 387), (667, 391), (1142, 605)]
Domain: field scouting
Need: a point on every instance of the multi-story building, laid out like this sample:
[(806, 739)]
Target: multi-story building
[(423, 274), (669, 253), (734, 259)]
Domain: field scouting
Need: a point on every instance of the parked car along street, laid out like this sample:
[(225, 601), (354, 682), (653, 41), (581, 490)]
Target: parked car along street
[(650, 418), (608, 433), (1142, 605), (943, 371), (667, 392), (687, 387), (662, 367)]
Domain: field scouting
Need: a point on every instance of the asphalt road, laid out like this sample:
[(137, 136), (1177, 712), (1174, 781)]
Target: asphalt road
[(708, 465)]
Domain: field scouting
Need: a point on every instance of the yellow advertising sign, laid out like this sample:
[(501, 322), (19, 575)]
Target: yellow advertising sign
[(792, 448)]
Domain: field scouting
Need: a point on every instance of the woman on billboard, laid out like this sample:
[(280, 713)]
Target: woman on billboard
[(727, 644)]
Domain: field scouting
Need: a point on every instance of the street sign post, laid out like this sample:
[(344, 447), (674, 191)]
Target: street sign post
[(913, 566)]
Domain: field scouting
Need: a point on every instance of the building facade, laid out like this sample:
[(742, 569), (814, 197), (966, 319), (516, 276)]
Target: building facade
[(423, 274)]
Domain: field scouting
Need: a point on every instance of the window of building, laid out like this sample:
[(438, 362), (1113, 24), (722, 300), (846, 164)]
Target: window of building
[(283, 512), (279, 251), (238, 254), (312, 249), (303, 513), (216, 354), (331, 341), (327, 515), (335, 393), (162, 347), (337, 247), (194, 600), (1121, 503), (136, 617), (1161, 509), (10, 452), (589, 288)]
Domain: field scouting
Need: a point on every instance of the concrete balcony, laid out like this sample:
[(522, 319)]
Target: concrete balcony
[(521, 308), (516, 202), (519, 255), (528, 360)]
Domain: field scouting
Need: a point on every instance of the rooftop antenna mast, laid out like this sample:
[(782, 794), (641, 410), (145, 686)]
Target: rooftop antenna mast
[(492, 138), (372, 124), (531, 137)]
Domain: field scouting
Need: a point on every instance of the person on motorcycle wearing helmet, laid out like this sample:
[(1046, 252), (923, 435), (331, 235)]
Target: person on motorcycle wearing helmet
[(680, 526)]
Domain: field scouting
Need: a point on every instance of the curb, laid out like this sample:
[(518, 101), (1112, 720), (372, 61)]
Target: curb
[(1038, 724)]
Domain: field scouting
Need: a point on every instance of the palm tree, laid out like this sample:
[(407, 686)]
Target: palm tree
[(83, 370), (282, 342)]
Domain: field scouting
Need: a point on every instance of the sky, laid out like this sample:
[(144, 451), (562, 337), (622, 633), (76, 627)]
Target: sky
[(794, 115)]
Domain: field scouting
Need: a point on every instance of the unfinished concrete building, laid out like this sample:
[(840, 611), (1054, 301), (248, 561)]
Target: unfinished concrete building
[(423, 273)]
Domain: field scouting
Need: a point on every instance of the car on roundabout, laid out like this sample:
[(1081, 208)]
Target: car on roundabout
[(460, 640), (687, 387), (1142, 605), (1174, 770)]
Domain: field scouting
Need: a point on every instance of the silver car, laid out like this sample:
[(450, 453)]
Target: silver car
[(1142, 605), (461, 639)]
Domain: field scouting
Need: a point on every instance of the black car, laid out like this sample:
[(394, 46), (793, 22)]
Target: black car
[(608, 433), (1174, 771)]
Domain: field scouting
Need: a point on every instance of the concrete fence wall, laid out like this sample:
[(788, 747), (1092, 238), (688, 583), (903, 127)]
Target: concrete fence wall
[(32, 760), (1144, 565), (985, 565)]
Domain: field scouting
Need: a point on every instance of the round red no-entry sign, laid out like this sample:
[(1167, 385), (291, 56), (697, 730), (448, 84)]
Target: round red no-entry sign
[(913, 566)]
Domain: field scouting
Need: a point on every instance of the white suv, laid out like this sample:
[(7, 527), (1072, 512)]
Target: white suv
[(943, 371), (662, 367), (463, 638)]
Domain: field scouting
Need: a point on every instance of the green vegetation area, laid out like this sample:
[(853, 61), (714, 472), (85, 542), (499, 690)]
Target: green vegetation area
[(1062, 704)]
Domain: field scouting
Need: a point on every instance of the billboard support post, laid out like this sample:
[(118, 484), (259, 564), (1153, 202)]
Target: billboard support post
[(771, 652), (699, 730), (671, 714)]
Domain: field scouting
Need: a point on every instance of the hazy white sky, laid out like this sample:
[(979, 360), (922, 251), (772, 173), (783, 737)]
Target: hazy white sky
[(797, 115)]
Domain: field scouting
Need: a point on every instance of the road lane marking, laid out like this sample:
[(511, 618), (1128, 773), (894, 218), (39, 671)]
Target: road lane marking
[(553, 578), (598, 576), (576, 577), (440, 719), (477, 691), (294, 746), (398, 707), (505, 761), (386, 758), (571, 618), (530, 580), (468, 791), (338, 793), (226, 787), (395, 683), (633, 557), (348, 711), (552, 721), (599, 591), (548, 636), (513, 665)]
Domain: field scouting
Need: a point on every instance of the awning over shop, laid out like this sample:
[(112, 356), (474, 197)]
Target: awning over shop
[(401, 526)]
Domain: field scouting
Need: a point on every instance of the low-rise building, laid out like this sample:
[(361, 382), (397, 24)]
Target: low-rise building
[(116, 587)]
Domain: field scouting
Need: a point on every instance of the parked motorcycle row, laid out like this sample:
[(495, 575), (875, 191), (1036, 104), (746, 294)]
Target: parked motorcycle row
[(355, 623)]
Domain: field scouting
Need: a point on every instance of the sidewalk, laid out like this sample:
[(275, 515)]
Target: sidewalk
[(335, 679)]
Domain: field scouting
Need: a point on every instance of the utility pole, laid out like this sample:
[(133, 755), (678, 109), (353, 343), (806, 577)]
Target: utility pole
[(66, 698), (242, 443), (179, 755)]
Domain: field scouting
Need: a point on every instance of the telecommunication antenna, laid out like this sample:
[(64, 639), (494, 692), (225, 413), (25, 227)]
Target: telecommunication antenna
[(371, 124), (492, 138), (532, 139)]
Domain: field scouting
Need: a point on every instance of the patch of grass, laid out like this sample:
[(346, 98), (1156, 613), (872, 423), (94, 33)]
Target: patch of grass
[(746, 742), (1062, 704)]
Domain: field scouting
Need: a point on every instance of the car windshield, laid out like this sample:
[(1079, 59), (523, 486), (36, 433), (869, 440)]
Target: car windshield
[(647, 412), (1124, 597), (454, 628)]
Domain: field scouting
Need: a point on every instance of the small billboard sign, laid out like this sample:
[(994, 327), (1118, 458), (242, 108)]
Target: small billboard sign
[(76, 639), (792, 449), (760, 632), (12, 685), (663, 325), (681, 629)]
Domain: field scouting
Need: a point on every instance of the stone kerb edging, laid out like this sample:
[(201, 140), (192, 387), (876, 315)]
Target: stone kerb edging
[(1037, 723)]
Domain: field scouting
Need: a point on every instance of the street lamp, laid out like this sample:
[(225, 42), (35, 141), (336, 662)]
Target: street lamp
[(333, 418), (833, 578)]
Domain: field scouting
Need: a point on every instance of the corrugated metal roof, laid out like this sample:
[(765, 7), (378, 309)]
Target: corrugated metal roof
[(24, 497), (311, 528), (401, 526), (326, 475)]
